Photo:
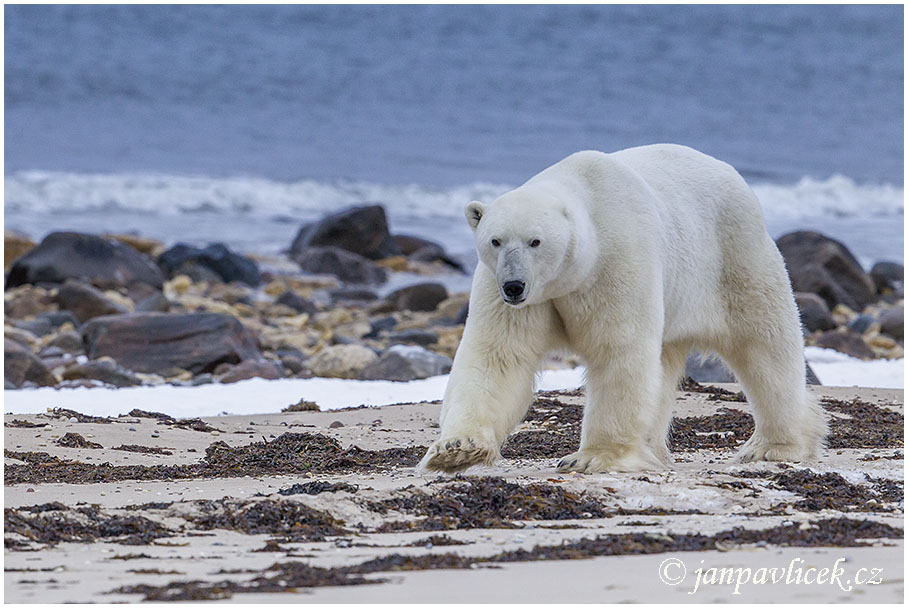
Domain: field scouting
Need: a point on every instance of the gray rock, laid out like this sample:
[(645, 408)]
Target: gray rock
[(814, 312), (891, 321), (887, 275), (406, 363), (220, 263), (848, 342), (156, 302), (352, 295), (341, 361), (85, 302), (362, 230), (21, 366), (67, 342), (157, 342), (423, 250), (710, 370), (58, 318), (101, 262), (825, 267), (249, 370), (39, 326), (860, 323), (413, 337), (107, 372), (346, 266), (291, 299), (419, 297)]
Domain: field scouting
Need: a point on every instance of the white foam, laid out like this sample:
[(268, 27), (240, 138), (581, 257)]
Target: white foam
[(46, 191)]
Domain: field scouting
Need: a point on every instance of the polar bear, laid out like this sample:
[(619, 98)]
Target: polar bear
[(630, 259)]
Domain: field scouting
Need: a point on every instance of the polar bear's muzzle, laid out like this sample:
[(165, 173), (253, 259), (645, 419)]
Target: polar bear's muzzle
[(513, 292)]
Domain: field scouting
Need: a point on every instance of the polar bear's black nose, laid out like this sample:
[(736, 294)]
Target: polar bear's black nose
[(513, 289)]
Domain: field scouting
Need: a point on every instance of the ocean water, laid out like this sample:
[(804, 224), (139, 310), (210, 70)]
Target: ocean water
[(239, 123)]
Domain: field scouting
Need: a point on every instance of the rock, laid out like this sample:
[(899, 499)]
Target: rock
[(38, 326), (887, 275), (827, 268), (419, 297), (103, 263), (156, 342), (362, 230), (341, 361), (860, 323), (291, 299), (149, 247), (406, 363), (346, 266), (814, 312), (85, 302), (847, 342), (23, 337), (352, 295), (249, 370), (711, 370), (21, 366), (25, 301), (382, 324), (891, 321), (15, 245), (104, 370), (423, 250), (810, 376), (292, 363), (68, 342), (58, 318), (154, 302), (197, 272), (217, 258), (413, 337)]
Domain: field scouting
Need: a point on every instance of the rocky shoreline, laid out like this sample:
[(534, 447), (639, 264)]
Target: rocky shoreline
[(120, 310)]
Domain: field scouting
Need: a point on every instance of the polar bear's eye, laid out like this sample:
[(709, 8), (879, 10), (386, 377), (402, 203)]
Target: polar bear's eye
[(535, 243), (496, 243)]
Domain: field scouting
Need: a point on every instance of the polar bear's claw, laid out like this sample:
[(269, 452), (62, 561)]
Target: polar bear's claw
[(455, 454), (595, 461)]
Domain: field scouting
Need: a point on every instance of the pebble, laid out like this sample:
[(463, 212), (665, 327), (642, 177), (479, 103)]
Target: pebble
[(73, 420), (132, 429), (336, 424)]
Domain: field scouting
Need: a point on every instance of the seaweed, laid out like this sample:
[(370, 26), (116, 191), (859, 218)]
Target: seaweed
[(317, 487), (74, 440)]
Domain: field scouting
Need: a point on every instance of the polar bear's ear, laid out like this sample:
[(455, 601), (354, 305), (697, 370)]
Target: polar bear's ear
[(474, 212)]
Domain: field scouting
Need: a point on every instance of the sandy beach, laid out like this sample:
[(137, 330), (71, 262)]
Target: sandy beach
[(280, 508)]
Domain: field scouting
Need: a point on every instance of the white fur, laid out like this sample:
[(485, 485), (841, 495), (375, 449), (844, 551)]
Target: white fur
[(643, 255)]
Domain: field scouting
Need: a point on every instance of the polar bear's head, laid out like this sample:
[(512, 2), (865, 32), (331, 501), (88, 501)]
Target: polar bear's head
[(523, 238)]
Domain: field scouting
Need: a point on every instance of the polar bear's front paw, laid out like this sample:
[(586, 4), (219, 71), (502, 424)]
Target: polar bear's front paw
[(760, 449), (596, 461), (455, 453)]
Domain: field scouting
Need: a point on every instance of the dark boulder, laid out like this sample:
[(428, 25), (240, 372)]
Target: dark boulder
[(825, 267), (291, 299), (423, 250), (847, 342), (21, 366), (887, 276), (216, 258), (352, 296), (345, 265), (159, 343), (362, 230), (814, 312), (419, 297), (101, 262), (85, 302), (406, 363)]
